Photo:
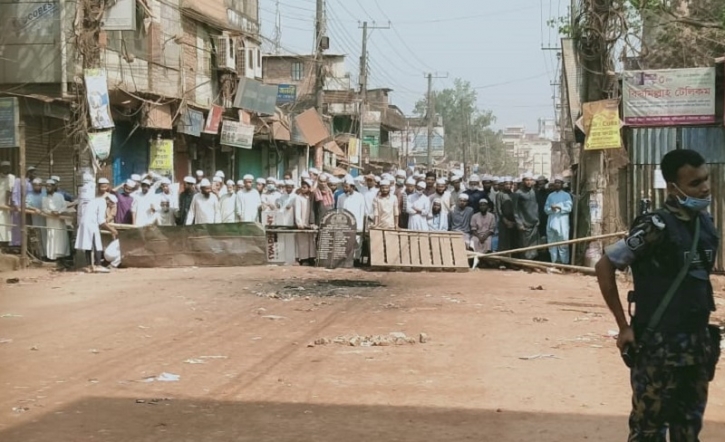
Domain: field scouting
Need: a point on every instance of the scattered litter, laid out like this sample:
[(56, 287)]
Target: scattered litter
[(538, 287), (551, 270), (20, 409), (214, 357), (143, 327), (541, 319), (34, 348), (367, 341), (93, 381), (423, 338), (152, 401), (94, 351), (194, 361), (612, 333), (5, 341), (11, 315), (539, 356), (273, 317), (163, 377), (12, 280)]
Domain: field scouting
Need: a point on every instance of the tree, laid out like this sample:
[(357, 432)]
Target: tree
[(468, 133)]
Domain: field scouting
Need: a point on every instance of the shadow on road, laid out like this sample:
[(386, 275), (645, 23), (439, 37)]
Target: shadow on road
[(177, 420)]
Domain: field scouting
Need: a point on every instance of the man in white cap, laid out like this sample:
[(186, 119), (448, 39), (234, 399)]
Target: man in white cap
[(271, 195), (7, 181), (323, 198), (199, 176), (165, 215), (337, 188), (145, 206), (401, 196), (507, 231), (57, 244), (249, 201), (166, 190), (185, 199), (459, 219), (475, 192), (217, 183), (526, 212), (125, 195), (34, 207), (542, 193), (228, 204), (67, 196), (558, 207), (136, 178), (419, 208), (285, 203), (111, 207), (204, 207), (455, 189), (442, 194), (305, 241), (261, 184), (437, 222), (369, 192), (483, 227), (386, 211), (93, 219), (354, 202), (314, 177)]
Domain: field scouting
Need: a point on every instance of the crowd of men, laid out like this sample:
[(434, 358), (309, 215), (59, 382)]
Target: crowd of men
[(492, 213)]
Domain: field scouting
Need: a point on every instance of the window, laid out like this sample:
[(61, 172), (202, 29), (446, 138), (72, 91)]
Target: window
[(297, 71)]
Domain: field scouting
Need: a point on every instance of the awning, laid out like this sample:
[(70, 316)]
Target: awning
[(334, 148)]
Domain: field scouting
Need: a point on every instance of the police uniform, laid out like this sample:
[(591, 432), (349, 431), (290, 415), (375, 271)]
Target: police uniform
[(670, 375)]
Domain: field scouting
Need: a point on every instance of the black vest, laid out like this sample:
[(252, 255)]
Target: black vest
[(653, 275)]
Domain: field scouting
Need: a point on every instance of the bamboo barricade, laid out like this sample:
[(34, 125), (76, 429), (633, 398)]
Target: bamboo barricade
[(544, 265), (546, 246)]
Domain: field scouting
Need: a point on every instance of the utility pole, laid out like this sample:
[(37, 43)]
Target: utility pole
[(364, 84), (320, 46), (277, 29), (430, 115)]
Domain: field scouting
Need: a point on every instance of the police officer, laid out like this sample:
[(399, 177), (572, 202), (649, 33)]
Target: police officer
[(672, 363)]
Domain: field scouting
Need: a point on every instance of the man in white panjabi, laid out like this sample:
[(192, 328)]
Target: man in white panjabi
[(248, 201), (165, 216), (88, 238), (270, 195), (204, 207), (285, 204), (57, 244), (7, 181), (354, 202), (418, 208), (165, 185), (305, 241), (222, 189), (228, 204), (34, 206), (145, 205)]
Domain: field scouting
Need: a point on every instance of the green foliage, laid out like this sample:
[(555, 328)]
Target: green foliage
[(562, 25), (468, 127)]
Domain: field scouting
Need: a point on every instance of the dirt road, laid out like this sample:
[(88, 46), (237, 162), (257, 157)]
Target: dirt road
[(230, 355)]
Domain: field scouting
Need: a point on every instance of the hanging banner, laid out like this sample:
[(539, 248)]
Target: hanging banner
[(190, 122), (237, 134), (161, 157), (97, 95), (254, 96), (100, 143), (213, 120), (286, 93), (352, 149), (669, 97), (9, 118), (602, 125)]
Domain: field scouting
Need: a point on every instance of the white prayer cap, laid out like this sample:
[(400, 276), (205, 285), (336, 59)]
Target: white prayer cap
[(136, 177), (456, 179), (164, 198), (441, 181), (5, 163), (218, 179), (219, 173), (359, 178), (386, 176), (279, 182), (55, 178), (474, 178), (377, 179), (37, 181), (527, 175), (30, 168), (240, 183), (542, 178), (308, 182), (334, 180), (165, 180), (323, 178), (349, 180), (289, 183), (146, 182), (113, 198), (189, 180), (508, 179), (384, 182), (487, 177), (199, 173), (400, 174), (497, 179), (410, 180), (261, 181), (304, 175), (463, 197), (420, 185), (248, 177), (558, 178), (205, 183), (130, 183), (271, 179), (103, 181), (437, 201), (50, 181), (230, 182), (315, 170)]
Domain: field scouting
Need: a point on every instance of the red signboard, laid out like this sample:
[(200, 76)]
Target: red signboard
[(213, 120)]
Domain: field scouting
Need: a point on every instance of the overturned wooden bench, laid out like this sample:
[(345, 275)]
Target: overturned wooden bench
[(410, 250)]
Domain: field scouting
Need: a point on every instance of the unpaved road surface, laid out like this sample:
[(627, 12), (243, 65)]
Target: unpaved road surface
[(229, 355)]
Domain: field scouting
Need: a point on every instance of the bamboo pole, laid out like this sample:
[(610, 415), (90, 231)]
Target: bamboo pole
[(546, 246), (541, 265)]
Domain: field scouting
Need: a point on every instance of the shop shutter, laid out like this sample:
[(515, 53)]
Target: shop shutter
[(62, 158)]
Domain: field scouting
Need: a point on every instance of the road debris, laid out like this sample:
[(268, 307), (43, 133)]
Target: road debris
[(538, 287), (194, 361), (12, 280), (539, 356), (6, 341), (395, 338), (423, 338), (539, 319), (10, 315), (34, 348), (163, 377), (20, 409), (273, 317)]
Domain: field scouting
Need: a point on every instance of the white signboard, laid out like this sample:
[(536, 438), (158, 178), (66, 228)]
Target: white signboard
[(237, 134), (120, 16), (669, 97)]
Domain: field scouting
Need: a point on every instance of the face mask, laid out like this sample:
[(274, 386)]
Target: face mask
[(271, 188), (419, 192), (399, 182), (694, 204)]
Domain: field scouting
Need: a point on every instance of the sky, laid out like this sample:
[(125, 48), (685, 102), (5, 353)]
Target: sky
[(495, 45)]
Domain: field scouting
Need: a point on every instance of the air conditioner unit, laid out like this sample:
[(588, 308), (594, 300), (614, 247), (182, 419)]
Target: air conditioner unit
[(226, 53)]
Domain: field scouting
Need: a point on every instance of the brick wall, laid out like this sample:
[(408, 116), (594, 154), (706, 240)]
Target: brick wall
[(189, 57)]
